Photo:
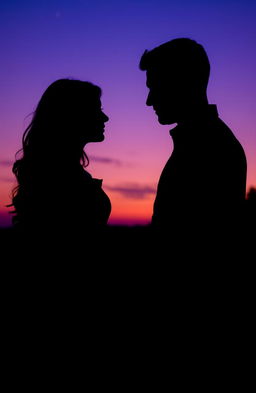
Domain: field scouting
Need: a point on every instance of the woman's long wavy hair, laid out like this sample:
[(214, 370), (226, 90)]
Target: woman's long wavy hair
[(52, 138)]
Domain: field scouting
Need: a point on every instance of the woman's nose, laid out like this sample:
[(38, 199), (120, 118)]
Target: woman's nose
[(105, 118)]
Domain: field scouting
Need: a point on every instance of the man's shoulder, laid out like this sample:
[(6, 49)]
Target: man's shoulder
[(229, 138), (223, 138), (222, 130)]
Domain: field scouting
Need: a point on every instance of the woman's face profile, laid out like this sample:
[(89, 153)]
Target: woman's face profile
[(92, 121)]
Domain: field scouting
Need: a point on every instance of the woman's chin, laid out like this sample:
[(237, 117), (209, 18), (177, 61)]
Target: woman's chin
[(98, 138), (101, 138)]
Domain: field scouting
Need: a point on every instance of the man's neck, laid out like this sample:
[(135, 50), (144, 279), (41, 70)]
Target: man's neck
[(194, 113)]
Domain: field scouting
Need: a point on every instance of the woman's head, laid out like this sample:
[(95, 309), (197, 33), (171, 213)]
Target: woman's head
[(69, 114), (67, 117)]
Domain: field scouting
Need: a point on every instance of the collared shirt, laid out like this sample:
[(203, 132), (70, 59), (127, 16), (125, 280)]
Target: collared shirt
[(205, 173)]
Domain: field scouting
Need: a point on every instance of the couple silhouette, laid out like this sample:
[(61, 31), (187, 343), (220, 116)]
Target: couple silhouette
[(55, 300), (202, 183)]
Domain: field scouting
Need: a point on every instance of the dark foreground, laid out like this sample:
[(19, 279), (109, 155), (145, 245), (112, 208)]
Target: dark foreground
[(127, 307)]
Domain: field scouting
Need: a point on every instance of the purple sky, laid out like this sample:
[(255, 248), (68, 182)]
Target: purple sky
[(102, 41)]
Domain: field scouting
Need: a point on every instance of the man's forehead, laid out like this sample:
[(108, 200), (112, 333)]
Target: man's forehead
[(156, 76)]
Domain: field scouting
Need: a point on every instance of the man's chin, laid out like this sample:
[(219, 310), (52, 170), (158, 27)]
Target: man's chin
[(164, 120)]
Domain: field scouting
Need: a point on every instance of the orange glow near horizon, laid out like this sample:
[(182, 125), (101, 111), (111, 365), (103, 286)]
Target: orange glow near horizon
[(126, 209), (136, 212)]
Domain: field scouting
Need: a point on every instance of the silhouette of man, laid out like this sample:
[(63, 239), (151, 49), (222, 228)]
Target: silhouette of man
[(204, 180)]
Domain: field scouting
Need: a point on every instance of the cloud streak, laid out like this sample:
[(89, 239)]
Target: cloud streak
[(102, 160), (133, 190), (7, 179), (6, 163), (106, 160)]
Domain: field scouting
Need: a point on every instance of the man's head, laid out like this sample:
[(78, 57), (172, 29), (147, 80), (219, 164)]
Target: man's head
[(177, 78)]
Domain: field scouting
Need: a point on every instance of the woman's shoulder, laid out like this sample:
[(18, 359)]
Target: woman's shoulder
[(86, 175), (97, 182), (92, 182)]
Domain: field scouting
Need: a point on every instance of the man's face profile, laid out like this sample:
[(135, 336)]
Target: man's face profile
[(163, 96)]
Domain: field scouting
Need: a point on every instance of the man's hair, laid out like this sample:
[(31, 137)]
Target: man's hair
[(181, 57)]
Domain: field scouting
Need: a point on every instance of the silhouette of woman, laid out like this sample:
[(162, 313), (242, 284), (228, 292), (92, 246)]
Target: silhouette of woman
[(54, 191)]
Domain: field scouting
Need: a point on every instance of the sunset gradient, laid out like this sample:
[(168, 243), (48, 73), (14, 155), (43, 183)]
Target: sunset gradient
[(102, 42)]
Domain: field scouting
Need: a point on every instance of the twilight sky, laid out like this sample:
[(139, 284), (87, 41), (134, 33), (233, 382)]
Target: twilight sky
[(102, 41)]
